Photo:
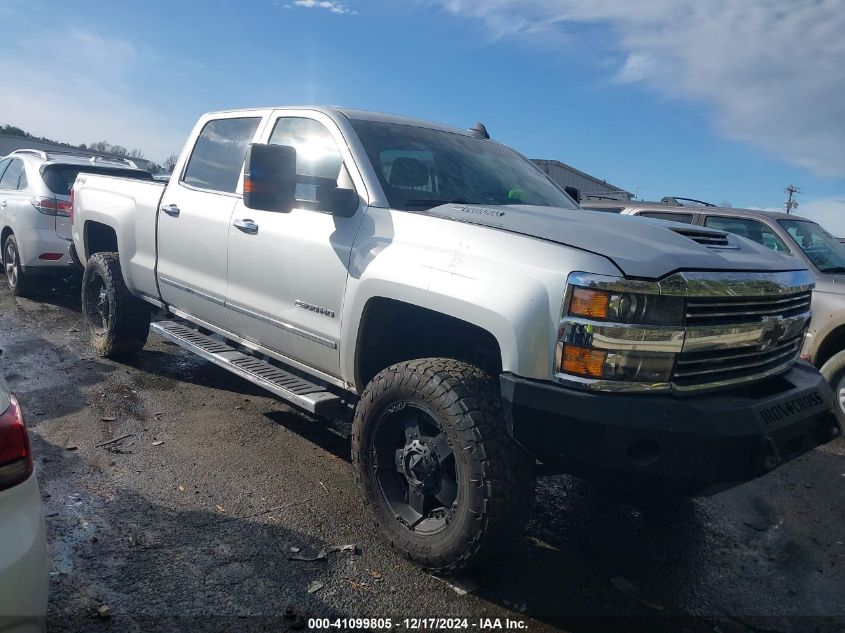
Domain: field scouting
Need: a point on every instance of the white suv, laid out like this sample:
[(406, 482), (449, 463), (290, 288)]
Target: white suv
[(24, 567), (35, 207)]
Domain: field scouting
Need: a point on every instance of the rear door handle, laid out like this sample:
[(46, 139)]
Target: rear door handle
[(246, 225), (3, 204), (171, 209)]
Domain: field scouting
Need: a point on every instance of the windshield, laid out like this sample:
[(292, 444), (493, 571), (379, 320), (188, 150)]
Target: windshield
[(420, 168), (824, 250)]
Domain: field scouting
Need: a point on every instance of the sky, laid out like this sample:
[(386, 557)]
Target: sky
[(723, 100)]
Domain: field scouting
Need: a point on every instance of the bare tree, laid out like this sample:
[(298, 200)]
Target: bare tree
[(169, 163)]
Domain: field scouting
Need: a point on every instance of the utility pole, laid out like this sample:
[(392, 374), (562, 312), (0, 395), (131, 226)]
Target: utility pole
[(790, 203)]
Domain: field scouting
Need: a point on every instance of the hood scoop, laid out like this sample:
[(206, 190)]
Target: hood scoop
[(711, 239)]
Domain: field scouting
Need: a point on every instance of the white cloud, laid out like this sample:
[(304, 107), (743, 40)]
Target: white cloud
[(771, 70), (829, 212), (328, 5), (85, 97)]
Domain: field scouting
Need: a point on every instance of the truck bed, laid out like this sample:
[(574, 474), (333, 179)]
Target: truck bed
[(101, 204)]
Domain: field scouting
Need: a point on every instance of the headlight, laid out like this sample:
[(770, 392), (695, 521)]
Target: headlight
[(626, 307), (616, 338)]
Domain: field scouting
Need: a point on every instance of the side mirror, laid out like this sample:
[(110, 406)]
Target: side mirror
[(573, 193), (270, 178)]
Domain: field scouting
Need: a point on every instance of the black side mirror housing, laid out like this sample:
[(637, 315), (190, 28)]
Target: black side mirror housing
[(270, 178), (573, 193)]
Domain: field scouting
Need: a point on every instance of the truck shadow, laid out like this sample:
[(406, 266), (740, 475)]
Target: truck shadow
[(61, 291), (590, 557)]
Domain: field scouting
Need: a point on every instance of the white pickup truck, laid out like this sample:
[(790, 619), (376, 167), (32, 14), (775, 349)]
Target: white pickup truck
[(441, 287)]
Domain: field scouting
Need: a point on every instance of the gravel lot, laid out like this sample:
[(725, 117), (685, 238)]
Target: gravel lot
[(189, 521)]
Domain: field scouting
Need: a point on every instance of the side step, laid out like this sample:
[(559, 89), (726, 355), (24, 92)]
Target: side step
[(287, 386)]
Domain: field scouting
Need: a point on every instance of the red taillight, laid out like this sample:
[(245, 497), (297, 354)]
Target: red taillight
[(52, 206), (47, 206), (71, 204), (15, 454)]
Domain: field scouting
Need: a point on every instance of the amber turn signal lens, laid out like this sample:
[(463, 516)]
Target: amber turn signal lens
[(582, 361), (589, 303)]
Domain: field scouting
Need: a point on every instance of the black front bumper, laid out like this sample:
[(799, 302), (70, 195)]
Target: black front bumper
[(692, 444)]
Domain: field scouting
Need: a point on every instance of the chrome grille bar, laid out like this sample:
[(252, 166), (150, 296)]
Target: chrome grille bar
[(736, 363)]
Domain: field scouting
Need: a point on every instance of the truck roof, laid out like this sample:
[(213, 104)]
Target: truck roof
[(361, 115)]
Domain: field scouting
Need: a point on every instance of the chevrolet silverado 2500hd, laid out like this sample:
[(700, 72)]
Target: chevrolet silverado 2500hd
[(442, 287)]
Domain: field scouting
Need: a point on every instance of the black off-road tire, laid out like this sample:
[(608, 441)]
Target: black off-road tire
[(20, 283), (494, 475), (118, 322)]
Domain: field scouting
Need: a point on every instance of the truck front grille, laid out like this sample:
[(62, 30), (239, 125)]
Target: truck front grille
[(695, 369), (767, 329), (740, 310)]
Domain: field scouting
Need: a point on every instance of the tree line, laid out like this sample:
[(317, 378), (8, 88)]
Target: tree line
[(103, 147)]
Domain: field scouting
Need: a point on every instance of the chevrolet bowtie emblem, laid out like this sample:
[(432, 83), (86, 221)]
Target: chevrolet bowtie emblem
[(773, 330)]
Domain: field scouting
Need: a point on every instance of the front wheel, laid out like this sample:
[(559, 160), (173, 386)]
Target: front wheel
[(447, 485), (118, 322)]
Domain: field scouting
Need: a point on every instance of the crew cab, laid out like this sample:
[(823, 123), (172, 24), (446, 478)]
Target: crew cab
[(443, 291)]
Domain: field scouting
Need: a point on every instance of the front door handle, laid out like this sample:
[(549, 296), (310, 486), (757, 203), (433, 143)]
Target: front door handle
[(171, 209), (246, 225), (3, 204)]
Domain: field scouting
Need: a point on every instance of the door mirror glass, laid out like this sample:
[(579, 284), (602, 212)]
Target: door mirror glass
[(270, 178)]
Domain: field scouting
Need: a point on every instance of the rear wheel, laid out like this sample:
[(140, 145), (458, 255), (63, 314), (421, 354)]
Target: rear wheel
[(447, 486), (118, 322), (20, 283)]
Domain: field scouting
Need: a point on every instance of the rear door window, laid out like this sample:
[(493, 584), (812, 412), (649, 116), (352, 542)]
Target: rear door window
[(686, 218), (750, 229), (217, 159), (12, 176)]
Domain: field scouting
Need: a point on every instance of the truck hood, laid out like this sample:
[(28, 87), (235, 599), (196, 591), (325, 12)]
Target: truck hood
[(640, 247)]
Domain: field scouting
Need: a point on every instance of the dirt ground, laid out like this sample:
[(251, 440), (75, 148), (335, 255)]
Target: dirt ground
[(189, 521)]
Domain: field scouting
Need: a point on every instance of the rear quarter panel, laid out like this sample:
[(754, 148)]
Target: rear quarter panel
[(129, 207)]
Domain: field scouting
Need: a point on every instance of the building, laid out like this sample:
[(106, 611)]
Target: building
[(588, 185), (9, 144)]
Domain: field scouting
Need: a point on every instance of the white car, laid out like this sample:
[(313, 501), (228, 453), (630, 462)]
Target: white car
[(24, 567), (35, 206)]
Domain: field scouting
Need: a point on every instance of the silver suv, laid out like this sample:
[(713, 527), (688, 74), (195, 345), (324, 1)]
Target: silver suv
[(35, 209), (791, 235)]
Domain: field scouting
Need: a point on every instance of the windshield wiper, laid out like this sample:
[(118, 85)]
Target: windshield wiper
[(834, 269), (432, 203)]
